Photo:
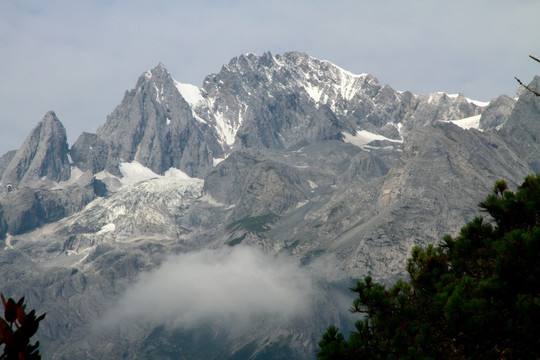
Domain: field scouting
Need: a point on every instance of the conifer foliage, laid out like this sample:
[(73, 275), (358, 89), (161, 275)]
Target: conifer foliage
[(16, 329), (476, 296)]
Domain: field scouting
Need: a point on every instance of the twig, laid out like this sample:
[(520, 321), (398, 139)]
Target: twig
[(526, 87)]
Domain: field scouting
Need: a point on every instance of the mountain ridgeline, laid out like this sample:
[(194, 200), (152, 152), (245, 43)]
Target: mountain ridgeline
[(286, 154)]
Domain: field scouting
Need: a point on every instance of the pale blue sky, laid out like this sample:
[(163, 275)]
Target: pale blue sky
[(79, 57)]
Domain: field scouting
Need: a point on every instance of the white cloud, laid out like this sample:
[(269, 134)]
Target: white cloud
[(219, 285)]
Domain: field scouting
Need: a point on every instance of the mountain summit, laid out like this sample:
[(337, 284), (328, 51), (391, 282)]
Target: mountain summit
[(154, 126), (43, 157)]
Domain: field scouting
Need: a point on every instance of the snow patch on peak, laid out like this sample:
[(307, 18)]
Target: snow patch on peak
[(346, 72), (439, 94), (343, 84), (472, 122), (364, 137), (175, 173), (194, 97), (472, 101), (191, 93), (159, 94), (135, 172), (435, 96), (110, 227), (226, 130), (313, 92), (217, 161), (478, 103)]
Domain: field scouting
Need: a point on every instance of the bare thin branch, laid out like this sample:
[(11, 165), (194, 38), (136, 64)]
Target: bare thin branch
[(536, 59), (526, 87)]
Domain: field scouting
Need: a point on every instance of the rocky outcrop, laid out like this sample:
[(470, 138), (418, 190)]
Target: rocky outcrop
[(91, 153), (225, 182), (439, 157), (271, 188), (26, 208), (497, 113), (154, 126), (43, 157)]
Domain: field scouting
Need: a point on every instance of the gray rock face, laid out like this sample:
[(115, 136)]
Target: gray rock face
[(3, 224), (91, 153), (5, 160), (367, 215), (28, 208), (440, 106), (443, 174), (497, 113), (271, 188), (154, 126), (225, 182), (43, 156)]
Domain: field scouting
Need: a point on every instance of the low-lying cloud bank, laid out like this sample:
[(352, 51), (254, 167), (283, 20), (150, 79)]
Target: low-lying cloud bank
[(217, 285)]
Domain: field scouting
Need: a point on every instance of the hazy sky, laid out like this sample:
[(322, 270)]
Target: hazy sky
[(79, 57)]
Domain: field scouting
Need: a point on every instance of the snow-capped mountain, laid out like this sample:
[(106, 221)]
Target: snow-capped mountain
[(317, 175), (278, 102), (267, 102)]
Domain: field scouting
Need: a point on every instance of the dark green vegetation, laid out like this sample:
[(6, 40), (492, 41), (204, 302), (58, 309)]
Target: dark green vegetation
[(476, 296), (16, 329)]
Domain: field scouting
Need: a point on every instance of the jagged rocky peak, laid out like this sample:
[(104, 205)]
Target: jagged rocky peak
[(274, 101), (442, 106), (278, 101), (155, 126), (321, 79), (157, 75), (251, 61), (43, 157), (497, 113)]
